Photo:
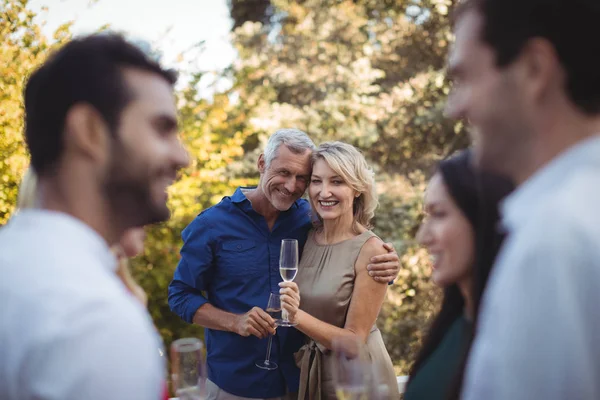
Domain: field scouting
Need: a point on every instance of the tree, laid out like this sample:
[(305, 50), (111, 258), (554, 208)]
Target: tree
[(355, 71), (370, 73), (24, 47), (249, 10)]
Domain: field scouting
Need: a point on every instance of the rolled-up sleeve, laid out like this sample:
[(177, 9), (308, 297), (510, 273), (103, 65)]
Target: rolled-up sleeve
[(194, 271)]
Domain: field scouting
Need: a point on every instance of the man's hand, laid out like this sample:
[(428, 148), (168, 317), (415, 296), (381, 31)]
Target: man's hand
[(385, 268), (255, 322)]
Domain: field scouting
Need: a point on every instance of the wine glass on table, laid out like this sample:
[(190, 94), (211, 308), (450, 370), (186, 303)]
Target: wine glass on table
[(189, 369), (274, 310), (288, 268), (351, 369)]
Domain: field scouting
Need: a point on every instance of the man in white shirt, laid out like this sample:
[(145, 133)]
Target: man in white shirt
[(102, 133), (527, 78)]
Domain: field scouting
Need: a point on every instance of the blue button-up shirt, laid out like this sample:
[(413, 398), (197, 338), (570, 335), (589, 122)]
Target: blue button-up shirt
[(230, 258)]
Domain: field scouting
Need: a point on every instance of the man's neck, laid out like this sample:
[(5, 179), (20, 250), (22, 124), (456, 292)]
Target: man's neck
[(262, 206), (558, 135), (79, 202)]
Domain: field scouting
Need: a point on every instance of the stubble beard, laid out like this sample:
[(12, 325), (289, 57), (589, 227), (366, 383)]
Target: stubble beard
[(127, 188)]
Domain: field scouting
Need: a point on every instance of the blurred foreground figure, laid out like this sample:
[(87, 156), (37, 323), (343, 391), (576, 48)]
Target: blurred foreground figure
[(459, 231), (131, 245), (102, 134), (526, 77)]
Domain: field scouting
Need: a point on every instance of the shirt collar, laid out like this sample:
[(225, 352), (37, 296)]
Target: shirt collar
[(517, 207), (239, 196), (72, 230)]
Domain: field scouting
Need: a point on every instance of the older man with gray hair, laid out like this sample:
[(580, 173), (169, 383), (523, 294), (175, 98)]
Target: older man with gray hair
[(229, 266)]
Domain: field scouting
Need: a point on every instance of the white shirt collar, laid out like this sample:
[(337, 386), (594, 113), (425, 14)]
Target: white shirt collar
[(517, 207), (70, 228)]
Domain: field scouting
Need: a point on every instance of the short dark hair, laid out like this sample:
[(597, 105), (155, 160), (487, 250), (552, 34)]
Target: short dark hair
[(571, 26), (85, 70)]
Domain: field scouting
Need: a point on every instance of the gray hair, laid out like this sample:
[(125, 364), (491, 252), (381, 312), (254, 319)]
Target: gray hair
[(295, 140)]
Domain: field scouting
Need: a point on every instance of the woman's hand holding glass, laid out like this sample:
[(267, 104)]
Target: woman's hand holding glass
[(290, 299)]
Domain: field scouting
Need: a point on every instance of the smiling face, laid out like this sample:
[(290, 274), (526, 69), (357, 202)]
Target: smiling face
[(330, 196), (146, 152), (448, 236), (490, 98), (285, 180)]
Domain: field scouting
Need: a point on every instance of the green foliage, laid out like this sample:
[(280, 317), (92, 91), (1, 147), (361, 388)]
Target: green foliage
[(214, 140), (23, 48), (354, 71), (413, 299), (370, 73)]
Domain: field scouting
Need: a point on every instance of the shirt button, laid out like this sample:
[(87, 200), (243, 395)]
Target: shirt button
[(239, 246)]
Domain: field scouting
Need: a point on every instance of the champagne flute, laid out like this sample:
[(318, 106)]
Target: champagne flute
[(274, 310), (189, 370), (377, 388), (288, 268), (351, 369)]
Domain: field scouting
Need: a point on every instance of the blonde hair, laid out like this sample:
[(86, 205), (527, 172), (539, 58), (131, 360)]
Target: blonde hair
[(349, 163), (124, 273), (27, 190)]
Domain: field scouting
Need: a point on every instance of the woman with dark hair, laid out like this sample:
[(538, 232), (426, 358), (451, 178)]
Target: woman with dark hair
[(461, 233)]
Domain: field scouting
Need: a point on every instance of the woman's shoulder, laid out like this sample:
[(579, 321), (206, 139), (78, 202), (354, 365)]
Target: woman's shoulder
[(373, 245)]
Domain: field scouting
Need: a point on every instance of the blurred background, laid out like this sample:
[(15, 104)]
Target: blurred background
[(367, 72)]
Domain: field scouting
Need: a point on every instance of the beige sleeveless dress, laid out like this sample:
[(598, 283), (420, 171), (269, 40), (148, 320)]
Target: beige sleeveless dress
[(326, 281)]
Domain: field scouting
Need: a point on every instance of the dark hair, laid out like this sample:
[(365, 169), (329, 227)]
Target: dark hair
[(478, 195), (85, 70), (568, 25)]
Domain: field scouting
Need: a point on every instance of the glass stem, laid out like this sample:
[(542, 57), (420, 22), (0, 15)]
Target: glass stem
[(268, 350)]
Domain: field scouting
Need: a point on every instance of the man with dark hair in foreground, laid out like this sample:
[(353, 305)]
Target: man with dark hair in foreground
[(102, 133), (526, 77)]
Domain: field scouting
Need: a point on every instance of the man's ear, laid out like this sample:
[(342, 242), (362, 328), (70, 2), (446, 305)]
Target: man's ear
[(261, 164), (87, 133), (541, 68)]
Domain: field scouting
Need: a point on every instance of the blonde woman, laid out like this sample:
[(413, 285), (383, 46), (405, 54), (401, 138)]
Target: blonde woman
[(130, 245), (339, 298)]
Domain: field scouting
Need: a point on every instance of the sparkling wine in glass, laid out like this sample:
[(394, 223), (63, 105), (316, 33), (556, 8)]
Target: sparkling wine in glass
[(274, 310), (288, 268), (351, 369), (378, 388), (288, 274), (188, 369)]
